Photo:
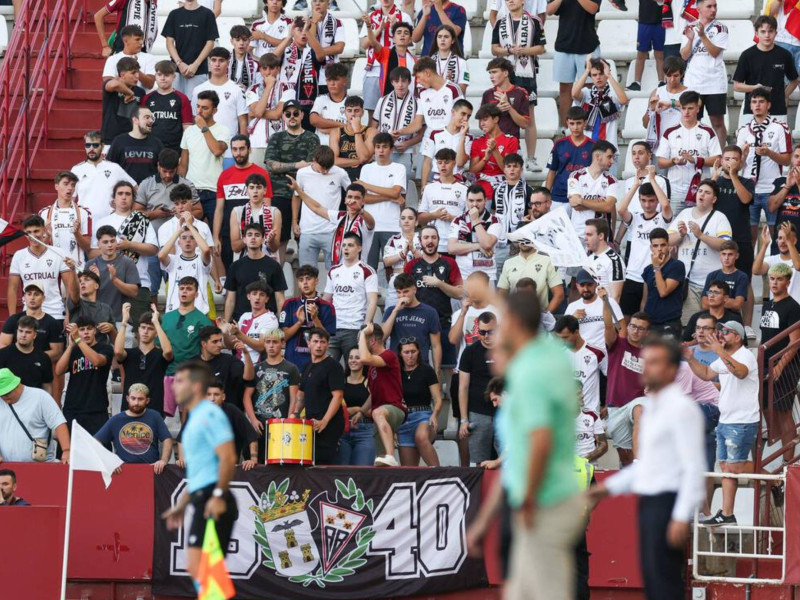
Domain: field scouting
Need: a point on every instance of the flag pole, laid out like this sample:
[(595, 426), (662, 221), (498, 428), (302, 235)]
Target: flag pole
[(66, 535)]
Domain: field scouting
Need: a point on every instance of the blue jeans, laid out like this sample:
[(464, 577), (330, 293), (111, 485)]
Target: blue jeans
[(794, 50), (156, 274), (481, 438), (500, 258), (761, 201), (311, 244), (208, 199), (711, 413), (358, 446)]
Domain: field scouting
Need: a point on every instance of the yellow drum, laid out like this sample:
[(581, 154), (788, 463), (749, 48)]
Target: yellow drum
[(290, 441)]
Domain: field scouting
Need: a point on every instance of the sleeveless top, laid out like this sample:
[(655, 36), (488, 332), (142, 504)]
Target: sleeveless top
[(355, 394), (347, 149)]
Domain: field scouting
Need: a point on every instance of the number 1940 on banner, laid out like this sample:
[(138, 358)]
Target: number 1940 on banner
[(356, 533)]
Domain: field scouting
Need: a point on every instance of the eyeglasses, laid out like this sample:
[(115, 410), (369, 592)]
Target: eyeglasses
[(292, 113), (637, 328), (540, 203), (408, 340), (486, 331), (181, 319), (704, 328), (92, 144)]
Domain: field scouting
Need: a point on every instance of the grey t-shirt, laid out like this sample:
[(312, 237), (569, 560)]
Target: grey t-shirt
[(108, 292), (40, 414), (99, 312), (154, 192)]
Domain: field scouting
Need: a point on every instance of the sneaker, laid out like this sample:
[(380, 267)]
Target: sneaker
[(532, 164), (334, 5), (662, 83), (750, 332), (300, 5), (619, 5), (386, 461), (777, 494), (719, 520), (634, 87)]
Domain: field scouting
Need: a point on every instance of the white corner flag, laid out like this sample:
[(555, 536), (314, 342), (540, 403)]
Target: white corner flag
[(87, 454)]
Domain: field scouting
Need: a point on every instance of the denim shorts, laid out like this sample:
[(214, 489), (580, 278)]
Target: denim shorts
[(761, 201), (567, 66), (407, 431), (735, 441), (794, 50)]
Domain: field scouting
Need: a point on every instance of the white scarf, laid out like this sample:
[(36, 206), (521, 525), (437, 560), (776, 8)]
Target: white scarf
[(143, 14), (524, 66), (509, 203), (326, 34), (449, 67), (397, 113)]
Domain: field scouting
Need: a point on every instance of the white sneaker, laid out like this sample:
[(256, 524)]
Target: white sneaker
[(385, 461), (750, 333), (532, 164)]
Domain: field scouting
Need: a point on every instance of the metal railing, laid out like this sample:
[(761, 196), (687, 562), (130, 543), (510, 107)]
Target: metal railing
[(36, 62), (755, 542)]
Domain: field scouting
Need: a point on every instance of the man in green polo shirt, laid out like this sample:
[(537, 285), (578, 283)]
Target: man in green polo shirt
[(537, 266), (536, 424), (182, 327)]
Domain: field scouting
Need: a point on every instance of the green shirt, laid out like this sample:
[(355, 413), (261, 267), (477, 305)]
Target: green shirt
[(541, 393), (183, 332)]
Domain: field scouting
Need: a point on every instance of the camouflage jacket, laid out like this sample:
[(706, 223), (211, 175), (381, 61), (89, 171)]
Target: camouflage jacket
[(284, 148)]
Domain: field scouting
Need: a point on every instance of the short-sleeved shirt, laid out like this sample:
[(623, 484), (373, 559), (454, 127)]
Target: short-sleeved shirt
[(318, 382), (117, 113), (436, 106), (86, 389), (788, 211), (477, 361), (639, 256), (148, 369), (154, 192), (443, 268), (664, 310), (705, 73), (737, 281), (191, 29), (541, 393), (565, 159), (48, 330), (456, 14), (386, 213), (417, 386), (231, 187), (183, 332), (738, 213), (775, 318), (205, 430), (538, 267), (349, 287), (108, 292), (135, 439), (769, 68), (435, 140), (450, 196), (700, 141), (772, 134), (384, 382), (232, 105), (296, 350), (34, 368), (625, 367), (41, 415), (148, 236), (326, 189), (147, 63), (576, 29), (591, 326), (45, 269), (245, 271), (582, 183), (506, 144), (96, 183), (171, 111), (462, 230), (418, 322), (691, 325), (707, 259), (139, 158), (272, 384), (204, 167), (517, 98), (738, 398)]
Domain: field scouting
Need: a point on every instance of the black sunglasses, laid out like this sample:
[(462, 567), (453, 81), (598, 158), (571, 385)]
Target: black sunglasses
[(181, 319), (92, 144), (485, 331), (292, 113)]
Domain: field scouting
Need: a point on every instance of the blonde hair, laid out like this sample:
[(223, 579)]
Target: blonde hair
[(275, 334), (140, 388)]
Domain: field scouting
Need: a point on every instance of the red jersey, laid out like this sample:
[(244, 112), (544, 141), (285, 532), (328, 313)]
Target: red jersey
[(384, 383), (506, 144), (230, 185)]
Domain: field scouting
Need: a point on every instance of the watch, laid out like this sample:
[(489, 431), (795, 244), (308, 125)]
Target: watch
[(203, 129), (217, 493)]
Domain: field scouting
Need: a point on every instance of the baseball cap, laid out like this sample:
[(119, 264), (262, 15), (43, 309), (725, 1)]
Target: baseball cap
[(35, 285), (90, 275), (733, 326), (8, 381), (584, 276), (291, 104)]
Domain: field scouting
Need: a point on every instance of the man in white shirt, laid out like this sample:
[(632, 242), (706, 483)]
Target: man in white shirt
[(97, 177), (443, 200), (385, 182), (688, 151), (739, 410), (455, 137), (766, 145), (328, 112), (641, 154), (606, 263), (703, 43), (592, 191), (668, 475), (323, 181), (588, 309), (69, 225), (654, 211), (698, 234), (133, 41), (232, 111), (352, 286), (589, 362), (473, 236)]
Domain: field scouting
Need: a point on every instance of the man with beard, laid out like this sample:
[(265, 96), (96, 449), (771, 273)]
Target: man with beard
[(232, 192), (210, 456), (232, 372), (539, 267), (8, 489), (288, 151), (97, 177), (137, 431), (588, 309), (321, 393), (34, 366), (137, 151)]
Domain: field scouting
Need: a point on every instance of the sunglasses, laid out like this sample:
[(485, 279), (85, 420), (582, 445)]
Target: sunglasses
[(143, 362), (292, 113), (408, 340), (92, 144), (486, 331), (181, 319)]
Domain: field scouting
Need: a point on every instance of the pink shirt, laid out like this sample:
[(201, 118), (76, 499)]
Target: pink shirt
[(703, 392)]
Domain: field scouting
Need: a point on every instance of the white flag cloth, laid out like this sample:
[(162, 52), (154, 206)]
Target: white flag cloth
[(87, 454), (553, 234)]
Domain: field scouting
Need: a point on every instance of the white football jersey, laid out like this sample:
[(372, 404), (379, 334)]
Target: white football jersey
[(436, 106), (441, 138), (450, 196), (46, 270), (588, 362), (587, 187), (587, 425), (180, 267), (349, 287), (255, 327)]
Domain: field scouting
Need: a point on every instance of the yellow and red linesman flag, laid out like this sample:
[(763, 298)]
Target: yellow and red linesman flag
[(215, 583)]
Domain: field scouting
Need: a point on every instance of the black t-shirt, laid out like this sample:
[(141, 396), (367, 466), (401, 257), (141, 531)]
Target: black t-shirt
[(650, 12), (243, 431), (576, 29), (688, 331), (148, 369), (738, 212), (191, 29), (788, 211), (444, 268), (417, 386), (476, 361), (775, 317), (168, 110), (117, 113), (317, 383), (245, 271), (34, 369), (769, 68), (86, 389), (139, 158), (230, 370), (48, 331)]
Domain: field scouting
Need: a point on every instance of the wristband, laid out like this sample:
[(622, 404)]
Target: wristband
[(217, 493), (464, 421), (77, 340)]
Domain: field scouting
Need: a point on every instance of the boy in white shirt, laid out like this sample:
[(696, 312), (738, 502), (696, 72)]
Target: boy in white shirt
[(455, 136), (443, 200), (69, 225), (265, 106), (328, 112), (268, 32), (254, 324), (602, 101), (189, 263), (592, 192), (243, 68), (133, 41)]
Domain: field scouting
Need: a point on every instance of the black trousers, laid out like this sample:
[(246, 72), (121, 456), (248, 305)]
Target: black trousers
[(663, 567)]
